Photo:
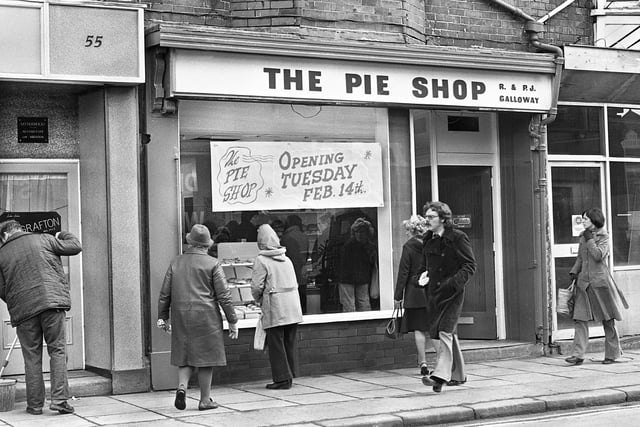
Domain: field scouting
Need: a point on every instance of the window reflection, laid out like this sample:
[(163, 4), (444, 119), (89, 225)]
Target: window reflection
[(576, 130)]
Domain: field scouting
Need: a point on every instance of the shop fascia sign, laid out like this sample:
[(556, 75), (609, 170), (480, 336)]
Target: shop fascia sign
[(295, 175), (72, 42), (222, 74)]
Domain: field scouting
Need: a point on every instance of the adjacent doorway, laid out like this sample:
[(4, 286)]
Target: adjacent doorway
[(46, 188)]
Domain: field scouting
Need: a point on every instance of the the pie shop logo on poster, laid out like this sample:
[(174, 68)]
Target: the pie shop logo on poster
[(295, 175)]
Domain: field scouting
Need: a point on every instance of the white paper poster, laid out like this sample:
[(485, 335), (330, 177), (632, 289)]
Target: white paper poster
[(295, 175)]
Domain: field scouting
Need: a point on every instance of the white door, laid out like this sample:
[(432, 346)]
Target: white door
[(50, 189), (575, 188)]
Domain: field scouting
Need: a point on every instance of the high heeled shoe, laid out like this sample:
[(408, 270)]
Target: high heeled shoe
[(424, 369)]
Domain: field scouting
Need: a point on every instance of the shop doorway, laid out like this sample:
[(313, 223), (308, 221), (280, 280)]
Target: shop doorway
[(468, 191), (574, 189), (48, 193)]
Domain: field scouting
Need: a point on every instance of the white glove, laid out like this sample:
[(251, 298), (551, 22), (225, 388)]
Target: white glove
[(161, 324), (424, 279), (233, 331)]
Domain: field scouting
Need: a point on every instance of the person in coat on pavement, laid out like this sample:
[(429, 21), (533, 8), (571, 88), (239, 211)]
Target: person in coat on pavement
[(35, 287), (194, 288), (275, 289), (448, 264), (408, 294), (596, 295)]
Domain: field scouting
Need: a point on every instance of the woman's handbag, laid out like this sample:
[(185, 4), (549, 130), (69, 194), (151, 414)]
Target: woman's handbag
[(393, 325), (260, 336), (566, 300)]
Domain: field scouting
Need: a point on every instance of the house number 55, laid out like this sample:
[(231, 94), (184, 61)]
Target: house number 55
[(95, 41)]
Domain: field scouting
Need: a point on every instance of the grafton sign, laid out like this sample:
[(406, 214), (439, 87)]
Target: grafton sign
[(295, 175), (216, 74)]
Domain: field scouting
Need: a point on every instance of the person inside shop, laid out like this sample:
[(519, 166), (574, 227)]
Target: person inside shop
[(597, 297), (246, 231), (193, 289), (408, 294), (357, 265), (278, 226), (222, 235), (35, 287), (448, 264), (296, 243), (274, 288)]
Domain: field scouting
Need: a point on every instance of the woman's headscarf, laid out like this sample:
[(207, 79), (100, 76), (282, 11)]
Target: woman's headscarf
[(269, 242)]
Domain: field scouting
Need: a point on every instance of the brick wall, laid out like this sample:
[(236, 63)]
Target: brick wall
[(464, 23), (323, 348), (469, 23)]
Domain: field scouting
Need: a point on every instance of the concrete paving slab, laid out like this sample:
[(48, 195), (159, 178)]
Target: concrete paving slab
[(379, 392), (260, 404), (310, 399), (296, 389), (126, 418)]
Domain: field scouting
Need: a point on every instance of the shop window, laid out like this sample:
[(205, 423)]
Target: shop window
[(576, 131), (332, 257), (624, 132), (625, 215)]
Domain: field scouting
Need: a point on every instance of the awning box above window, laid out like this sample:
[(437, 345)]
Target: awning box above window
[(598, 74)]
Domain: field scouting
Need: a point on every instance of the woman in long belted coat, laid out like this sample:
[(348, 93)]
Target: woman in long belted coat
[(597, 297), (408, 294), (449, 263), (193, 289), (275, 288)]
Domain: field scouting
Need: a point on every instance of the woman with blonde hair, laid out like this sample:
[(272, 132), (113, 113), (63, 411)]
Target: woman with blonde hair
[(408, 294)]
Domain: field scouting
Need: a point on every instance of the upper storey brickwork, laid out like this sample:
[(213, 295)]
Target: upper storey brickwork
[(463, 23)]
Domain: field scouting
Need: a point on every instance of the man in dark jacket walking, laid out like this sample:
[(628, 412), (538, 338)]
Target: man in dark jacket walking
[(448, 265), (35, 287)]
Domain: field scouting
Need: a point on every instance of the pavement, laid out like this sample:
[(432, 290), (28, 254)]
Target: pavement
[(395, 397)]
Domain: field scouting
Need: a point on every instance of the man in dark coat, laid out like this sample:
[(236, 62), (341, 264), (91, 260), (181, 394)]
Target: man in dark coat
[(297, 244), (449, 264), (34, 286)]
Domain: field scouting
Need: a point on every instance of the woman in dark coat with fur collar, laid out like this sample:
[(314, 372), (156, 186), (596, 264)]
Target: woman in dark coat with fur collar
[(408, 294), (449, 264)]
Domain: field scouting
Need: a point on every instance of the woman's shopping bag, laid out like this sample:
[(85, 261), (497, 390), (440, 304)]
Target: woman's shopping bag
[(260, 336), (566, 300), (393, 325)]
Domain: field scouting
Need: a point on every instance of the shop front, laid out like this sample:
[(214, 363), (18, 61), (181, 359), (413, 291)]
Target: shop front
[(594, 151), (310, 137), (68, 161)]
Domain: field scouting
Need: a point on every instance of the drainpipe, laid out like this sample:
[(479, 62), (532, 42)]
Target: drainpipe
[(538, 135)]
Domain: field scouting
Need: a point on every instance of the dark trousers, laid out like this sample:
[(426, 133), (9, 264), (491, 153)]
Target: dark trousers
[(282, 343), (49, 324)]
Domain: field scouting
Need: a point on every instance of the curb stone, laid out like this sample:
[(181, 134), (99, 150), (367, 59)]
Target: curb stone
[(583, 399), (632, 392), (443, 415), (509, 407), (383, 420)]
